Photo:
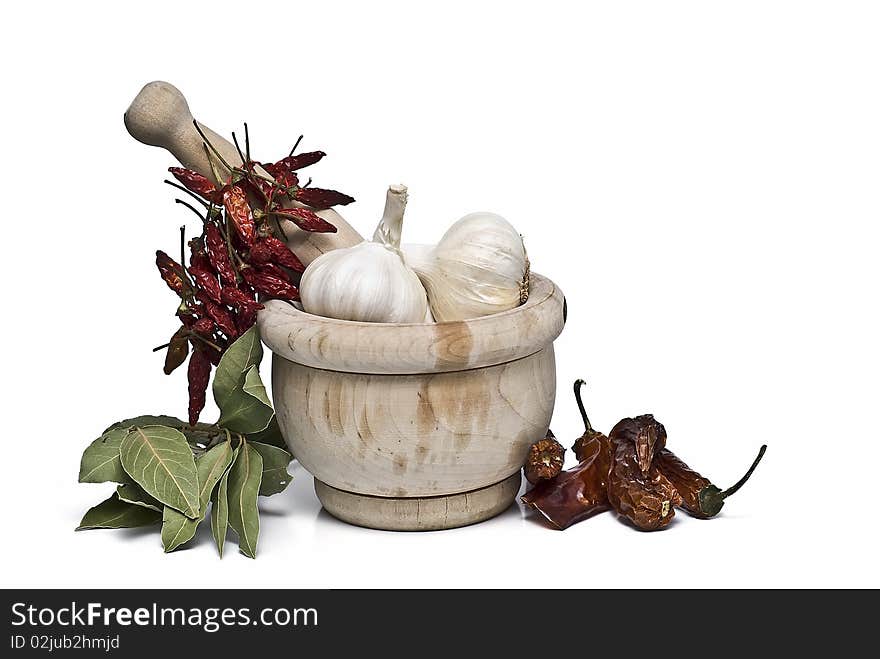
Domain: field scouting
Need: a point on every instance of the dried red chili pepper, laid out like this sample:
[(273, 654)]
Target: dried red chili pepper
[(636, 488), (178, 350), (545, 459), (300, 160), (198, 374), (219, 314), (195, 182), (207, 281), (270, 281), (272, 250), (238, 212), (204, 327), (218, 254), (699, 496), (172, 273), (305, 219), (580, 492), (320, 198)]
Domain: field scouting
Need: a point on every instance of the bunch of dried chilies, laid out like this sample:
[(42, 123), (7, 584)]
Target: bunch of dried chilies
[(630, 471), (240, 256)]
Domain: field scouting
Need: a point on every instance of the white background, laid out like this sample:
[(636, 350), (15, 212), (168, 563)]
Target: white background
[(700, 178)]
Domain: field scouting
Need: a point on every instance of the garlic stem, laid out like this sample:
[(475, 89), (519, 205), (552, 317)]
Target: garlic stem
[(390, 228)]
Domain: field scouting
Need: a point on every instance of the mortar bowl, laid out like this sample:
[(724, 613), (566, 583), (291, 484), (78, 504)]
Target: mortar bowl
[(415, 426)]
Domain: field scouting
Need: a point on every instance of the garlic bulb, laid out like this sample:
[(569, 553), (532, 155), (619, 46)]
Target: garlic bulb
[(479, 267), (368, 282)]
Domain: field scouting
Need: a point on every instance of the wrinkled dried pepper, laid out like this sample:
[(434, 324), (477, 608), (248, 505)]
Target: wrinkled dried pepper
[(238, 211), (219, 255), (172, 273), (270, 281), (545, 459), (580, 492), (305, 219), (699, 496), (320, 198), (178, 350), (636, 488), (198, 374)]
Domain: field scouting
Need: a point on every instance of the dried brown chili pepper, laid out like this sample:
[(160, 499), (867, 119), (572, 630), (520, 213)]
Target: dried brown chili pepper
[(198, 374), (585, 445), (305, 219), (580, 492), (636, 488), (178, 350), (238, 212), (545, 459), (700, 497)]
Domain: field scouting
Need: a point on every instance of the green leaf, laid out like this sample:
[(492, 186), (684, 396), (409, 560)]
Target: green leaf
[(238, 389), (116, 514), (100, 461), (134, 493), (220, 509), (159, 460), (211, 467), (244, 487), (275, 461), (270, 435), (177, 528), (202, 433), (148, 420)]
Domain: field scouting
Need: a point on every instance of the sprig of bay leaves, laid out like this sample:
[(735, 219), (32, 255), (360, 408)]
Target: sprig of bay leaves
[(169, 472)]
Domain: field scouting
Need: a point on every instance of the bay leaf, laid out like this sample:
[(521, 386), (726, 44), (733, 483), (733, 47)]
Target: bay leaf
[(244, 487), (201, 434), (160, 460), (134, 493), (177, 528), (275, 461), (238, 389), (220, 509), (100, 461), (115, 514), (271, 435)]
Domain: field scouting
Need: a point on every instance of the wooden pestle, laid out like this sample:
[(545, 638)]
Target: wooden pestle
[(160, 116)]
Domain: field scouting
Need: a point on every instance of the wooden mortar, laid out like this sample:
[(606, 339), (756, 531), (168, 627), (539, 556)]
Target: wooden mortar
[(415, 426)]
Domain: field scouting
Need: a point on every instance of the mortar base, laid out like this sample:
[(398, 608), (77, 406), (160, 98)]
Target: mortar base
[(419, 513)]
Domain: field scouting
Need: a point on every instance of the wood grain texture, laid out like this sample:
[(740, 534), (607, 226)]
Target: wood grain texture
[(385, 348), (414, 435), (419, 514), (160, 116)]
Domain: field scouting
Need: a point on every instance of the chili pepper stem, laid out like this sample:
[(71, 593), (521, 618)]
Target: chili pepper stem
[(577, 396), (207, 342), (298, 140), (161, 347), (189, 192), (733, 488), (212, 147)]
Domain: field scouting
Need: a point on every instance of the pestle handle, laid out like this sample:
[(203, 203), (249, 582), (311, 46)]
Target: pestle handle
[(160, 116)]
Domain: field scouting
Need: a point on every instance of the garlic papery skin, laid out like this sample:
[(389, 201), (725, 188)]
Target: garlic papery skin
[(478, 268), (369, 282)]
